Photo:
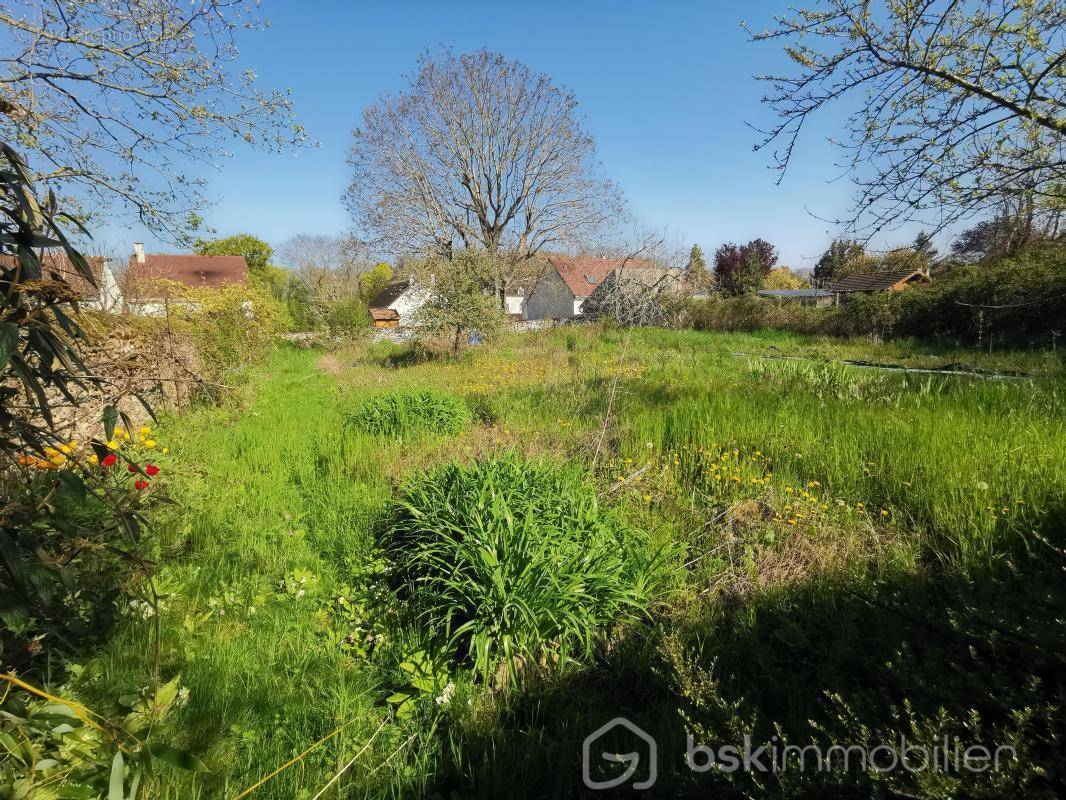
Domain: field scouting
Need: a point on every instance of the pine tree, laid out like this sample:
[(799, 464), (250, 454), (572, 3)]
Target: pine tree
[(696, 271), (923, 246)]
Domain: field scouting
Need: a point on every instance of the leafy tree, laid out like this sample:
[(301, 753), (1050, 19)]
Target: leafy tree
[(457, 301), (111, 101), (924, 247), (375, 279), (749, 277), (40, 354), (741, 268), (696, 269), (1015, 227), (959, 104), (900, 259), (256, 252), (843, 257), (479, 152), (783, 278)]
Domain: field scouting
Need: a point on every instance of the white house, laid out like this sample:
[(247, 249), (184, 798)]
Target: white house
[(395, 305), (567, 281)]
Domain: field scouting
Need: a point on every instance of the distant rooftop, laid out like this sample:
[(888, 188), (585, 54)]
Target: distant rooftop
[(878, 281), (795, 293)]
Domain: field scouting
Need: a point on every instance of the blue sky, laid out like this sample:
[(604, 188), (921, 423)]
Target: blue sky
[(665, 88)]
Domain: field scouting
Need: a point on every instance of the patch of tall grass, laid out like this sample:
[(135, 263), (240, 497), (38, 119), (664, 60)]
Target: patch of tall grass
[(406, 410), (511, 562)]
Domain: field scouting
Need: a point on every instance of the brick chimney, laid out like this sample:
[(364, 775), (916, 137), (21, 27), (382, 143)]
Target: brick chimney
[(138, 250)]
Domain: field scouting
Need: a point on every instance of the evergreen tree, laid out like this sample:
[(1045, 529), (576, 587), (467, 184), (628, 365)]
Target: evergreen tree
[(924, 247), (696, 271)]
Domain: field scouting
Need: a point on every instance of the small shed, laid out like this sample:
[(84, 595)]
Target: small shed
[(869, 283), (397, 304), (384, 318)]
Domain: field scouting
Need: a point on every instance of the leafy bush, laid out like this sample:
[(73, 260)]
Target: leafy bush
[(232, 326), (514, 562), (403, 411), (348, 316), (751, 313), (1017, 302)]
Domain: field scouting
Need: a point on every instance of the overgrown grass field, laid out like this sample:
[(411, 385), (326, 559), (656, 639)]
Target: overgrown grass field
[(369, 547)]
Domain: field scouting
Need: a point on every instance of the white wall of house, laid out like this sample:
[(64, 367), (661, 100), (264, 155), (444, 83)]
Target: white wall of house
[(108, 294), (408, 303), (551, 298), (513, 304)]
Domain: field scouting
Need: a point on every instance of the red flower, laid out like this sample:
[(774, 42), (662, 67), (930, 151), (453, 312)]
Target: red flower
[(151, 469), (140, 483), (131, 467), (109, 460)]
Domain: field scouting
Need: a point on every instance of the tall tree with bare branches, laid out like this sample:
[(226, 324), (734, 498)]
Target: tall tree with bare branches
[(111, 101), (480, 153), (958, 104)]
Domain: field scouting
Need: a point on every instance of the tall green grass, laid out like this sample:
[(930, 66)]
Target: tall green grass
[(281, 628), (510, 562)]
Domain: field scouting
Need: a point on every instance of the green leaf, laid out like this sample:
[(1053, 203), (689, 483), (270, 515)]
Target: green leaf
[(76, 791), (71, 485), (110, 420), (115, 786), (176, 758), (166, 694), (9, 341)]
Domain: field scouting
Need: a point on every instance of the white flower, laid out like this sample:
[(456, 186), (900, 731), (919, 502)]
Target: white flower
[(446, 695)]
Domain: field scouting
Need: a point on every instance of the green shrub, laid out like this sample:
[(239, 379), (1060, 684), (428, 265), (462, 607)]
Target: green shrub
[(403, 411), (346, 317), (1016, 302), (514, 562), (752, 313)]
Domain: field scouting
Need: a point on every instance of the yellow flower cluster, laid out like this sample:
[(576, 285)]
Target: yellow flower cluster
[(54, 457), (724, 476), (69, 454)]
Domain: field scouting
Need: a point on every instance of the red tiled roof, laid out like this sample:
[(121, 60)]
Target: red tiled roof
[(193, 271), (582, 274), (58, 262)]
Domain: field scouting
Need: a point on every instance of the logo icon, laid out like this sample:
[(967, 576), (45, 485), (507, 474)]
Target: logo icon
[(631, 760)]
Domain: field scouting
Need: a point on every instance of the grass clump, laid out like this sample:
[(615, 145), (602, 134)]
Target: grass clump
[(512, 562), (403, 411)]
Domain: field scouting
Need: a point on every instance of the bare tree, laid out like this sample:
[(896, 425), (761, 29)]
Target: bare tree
[(959, 104), (110, 99), (312, 256), (478, 153)]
